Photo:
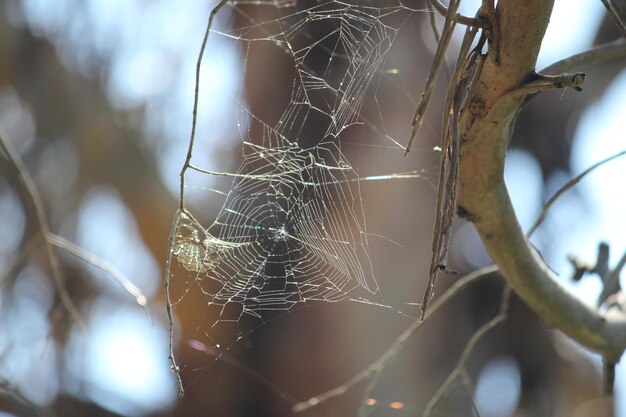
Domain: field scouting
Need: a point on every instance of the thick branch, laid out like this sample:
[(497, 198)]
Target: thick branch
[(486, 125)]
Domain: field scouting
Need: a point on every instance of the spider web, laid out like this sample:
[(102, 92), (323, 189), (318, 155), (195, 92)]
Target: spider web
[(287, 233), (291, 230)]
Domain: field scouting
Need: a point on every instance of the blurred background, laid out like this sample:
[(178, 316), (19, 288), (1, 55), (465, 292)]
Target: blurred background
[(96, 96)]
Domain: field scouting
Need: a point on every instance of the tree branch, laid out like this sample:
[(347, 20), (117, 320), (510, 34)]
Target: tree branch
[(438, 61), (40, 216), (617, 11), (460, 368), (387, 357), (443, 10), (99, 263), (596, 55), (483, 197), (570, 184)]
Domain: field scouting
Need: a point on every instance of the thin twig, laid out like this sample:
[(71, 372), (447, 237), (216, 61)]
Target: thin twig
[(488, 12), (196, 94), (13, 391), (437, 35), (610, 282), (571, 183), (181, 208), (37, 203), (367, 393), (469, 349), (618, 20), (469, 389), (440, 56), (17, 263), (100, 263), (596, 55), (448, 175), (443, 10), (230, 360), (387, 357), (168, 303), (543, 82)]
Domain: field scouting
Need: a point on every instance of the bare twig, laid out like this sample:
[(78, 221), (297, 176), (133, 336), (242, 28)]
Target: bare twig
[(192, 138), (389, 355), (469, 349), (443, 10), (40, 216), (367, 393), (610, 282), (451, 19), (100, 263), (542, 82), (437, 35), (440, 56), (488, 15), (570, 184), (13, 391), (230, 360), (600, 267), (10, 272), (168, 303), (446, 189), (181, 208), (610, 276), (617, 11), (596, 55), (469, 389)]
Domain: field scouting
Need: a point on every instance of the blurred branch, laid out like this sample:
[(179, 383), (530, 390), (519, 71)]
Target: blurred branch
[(460, 370), (389, 355), (600, 267), (596, 55), (230, 360), (100, 263), (443, 10), (37, 204), (11, 390), (17, 263), (51, 239), (610, 276), (437, 35), (14, 402), (611, 285), (608, 376), (617, 11), (469, 388), (570, 184)]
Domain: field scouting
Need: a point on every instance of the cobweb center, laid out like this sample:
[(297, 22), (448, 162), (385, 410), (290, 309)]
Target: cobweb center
[(280, 234)]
